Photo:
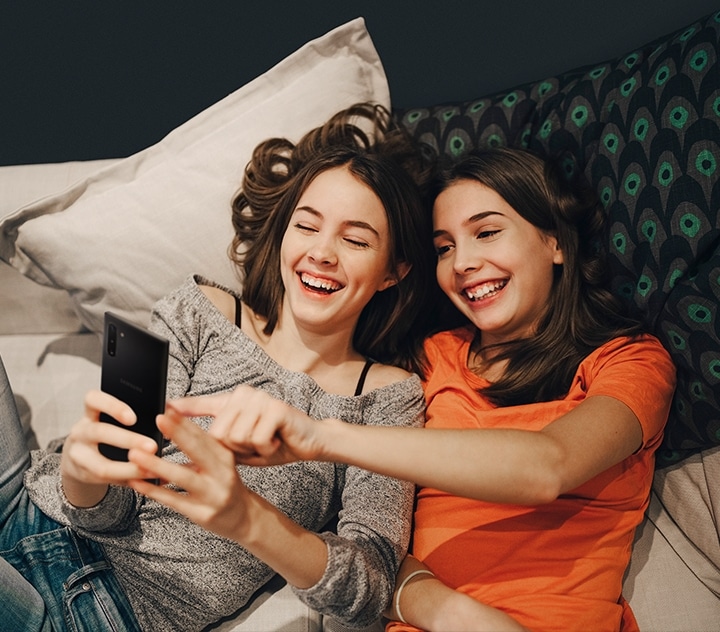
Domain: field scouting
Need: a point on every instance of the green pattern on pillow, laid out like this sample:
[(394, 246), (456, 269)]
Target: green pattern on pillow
[(645, 130)]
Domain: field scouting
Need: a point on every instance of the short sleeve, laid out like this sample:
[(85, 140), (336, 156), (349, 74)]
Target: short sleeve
[(639, 373)]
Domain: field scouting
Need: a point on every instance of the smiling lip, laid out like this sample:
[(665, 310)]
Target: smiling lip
[(484, 291), (318, 284)]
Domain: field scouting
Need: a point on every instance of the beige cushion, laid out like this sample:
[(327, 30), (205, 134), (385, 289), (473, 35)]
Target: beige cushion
[(662, 584), (26, 306), (690, 520), (128, 234)]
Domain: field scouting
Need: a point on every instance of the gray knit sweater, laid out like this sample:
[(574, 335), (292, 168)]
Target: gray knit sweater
[(181, 577)]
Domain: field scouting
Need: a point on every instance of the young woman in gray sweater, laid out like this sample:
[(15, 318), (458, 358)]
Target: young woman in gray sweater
[(331, 239)]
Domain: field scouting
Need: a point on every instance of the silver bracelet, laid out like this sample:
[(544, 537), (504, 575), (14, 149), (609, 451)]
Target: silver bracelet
[(422, 571)]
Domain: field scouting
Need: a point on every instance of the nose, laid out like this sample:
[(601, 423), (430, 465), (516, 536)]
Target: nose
[(466, 259), (323, 252)]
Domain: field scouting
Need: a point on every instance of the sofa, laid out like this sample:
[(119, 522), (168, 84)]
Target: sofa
[(80, 238)]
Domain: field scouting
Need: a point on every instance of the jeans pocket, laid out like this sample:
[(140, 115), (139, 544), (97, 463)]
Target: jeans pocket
[(94, 600), (76, 581)]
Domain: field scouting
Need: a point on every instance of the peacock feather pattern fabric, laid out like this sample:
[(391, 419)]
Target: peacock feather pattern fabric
[(645, 131)]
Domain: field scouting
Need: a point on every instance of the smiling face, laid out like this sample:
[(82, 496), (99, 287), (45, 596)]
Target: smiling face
[(335, 253), (494, 265)]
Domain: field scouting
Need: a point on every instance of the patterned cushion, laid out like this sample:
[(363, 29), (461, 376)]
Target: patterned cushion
[(645, 130)]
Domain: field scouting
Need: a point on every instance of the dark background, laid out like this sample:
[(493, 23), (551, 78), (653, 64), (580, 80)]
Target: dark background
[(84, 79)]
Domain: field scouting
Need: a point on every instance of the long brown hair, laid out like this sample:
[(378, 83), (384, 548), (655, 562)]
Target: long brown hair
[(582, 314), (363, 140)]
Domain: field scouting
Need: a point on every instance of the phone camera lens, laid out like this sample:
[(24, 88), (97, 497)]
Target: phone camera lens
[(112, 340)]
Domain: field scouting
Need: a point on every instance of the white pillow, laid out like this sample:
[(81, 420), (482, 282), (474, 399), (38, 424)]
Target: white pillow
[(131, 232)]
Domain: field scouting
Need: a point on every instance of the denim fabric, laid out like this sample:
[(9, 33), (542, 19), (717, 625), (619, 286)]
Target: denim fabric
[(58, 575), (14, 455), (22, 609)]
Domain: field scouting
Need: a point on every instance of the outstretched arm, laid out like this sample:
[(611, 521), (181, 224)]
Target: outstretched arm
[(518, 466)]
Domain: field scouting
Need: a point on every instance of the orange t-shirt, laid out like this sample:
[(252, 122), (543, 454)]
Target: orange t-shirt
[(557, 566)]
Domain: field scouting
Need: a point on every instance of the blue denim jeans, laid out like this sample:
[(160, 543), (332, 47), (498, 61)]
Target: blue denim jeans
[(22, 607), (50, 577)]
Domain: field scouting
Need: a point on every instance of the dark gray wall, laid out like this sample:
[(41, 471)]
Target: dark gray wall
[(83, 79)]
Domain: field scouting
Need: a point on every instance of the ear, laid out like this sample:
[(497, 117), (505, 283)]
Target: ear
[(558, 257), (393, 279)]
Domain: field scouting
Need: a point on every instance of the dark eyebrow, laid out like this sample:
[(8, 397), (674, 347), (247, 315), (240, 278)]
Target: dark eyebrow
[(470, 220), (356, 223), (478, 216), (365, 225)]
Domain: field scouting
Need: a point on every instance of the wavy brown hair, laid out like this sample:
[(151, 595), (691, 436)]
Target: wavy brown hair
[(582, 314), (364, 140)]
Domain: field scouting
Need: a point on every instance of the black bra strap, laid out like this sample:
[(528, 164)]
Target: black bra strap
[(238, 311), (363, 375)]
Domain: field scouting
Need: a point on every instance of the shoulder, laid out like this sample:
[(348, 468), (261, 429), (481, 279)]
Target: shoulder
[(223, 301), (629, 358), (638, 371), (198, 289), (644, 348), (381, 375), (448, 346), (189, 306), (452, 338), (397, 398)]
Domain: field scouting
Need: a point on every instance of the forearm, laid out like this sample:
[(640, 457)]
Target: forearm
[(365, 555), (83, 495), (297, 554), (424, 601), (409, 580), (492, 465), (501, 465), (114, 512)]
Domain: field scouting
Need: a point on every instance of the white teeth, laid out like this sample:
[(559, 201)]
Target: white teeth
[(319, 284), (485, 290)]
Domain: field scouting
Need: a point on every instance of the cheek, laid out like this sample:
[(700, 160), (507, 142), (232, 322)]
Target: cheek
[(443, 274), (373, 266), (283, 249), (283, 260), (287, 267), (288, 250)]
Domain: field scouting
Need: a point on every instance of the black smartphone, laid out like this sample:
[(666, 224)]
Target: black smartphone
[(134, 369)]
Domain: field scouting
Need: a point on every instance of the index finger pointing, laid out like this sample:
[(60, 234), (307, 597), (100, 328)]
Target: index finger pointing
[(199, 405), (200, 448)]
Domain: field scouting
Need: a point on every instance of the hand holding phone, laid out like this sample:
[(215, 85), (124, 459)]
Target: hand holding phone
[(134, 369)]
